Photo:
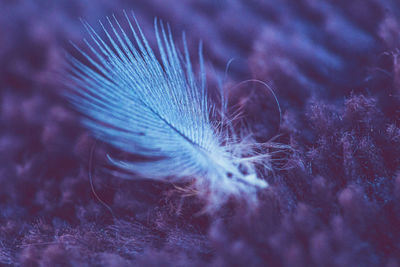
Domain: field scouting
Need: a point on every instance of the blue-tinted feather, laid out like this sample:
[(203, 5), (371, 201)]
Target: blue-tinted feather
[(156, 108)]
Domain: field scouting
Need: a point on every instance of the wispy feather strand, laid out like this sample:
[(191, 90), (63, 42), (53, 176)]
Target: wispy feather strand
[(160, 109)]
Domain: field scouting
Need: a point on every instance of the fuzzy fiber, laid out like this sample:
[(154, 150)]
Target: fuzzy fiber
[(333, 200)]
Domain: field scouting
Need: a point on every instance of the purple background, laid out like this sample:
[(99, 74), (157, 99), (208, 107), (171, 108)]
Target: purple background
[(334, 201)]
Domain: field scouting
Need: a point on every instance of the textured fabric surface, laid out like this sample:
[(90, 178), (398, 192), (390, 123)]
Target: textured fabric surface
[(333, 200)]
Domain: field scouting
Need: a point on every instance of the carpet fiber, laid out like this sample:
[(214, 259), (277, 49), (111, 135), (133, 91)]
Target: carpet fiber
[(333, 198)]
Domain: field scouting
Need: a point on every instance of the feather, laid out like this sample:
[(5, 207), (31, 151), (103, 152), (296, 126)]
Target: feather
[(160, 109)]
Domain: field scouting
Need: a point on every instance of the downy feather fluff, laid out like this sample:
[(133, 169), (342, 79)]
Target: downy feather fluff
[(160, 109)]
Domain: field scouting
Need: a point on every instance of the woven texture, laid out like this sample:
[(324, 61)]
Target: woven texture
[(332, 201)]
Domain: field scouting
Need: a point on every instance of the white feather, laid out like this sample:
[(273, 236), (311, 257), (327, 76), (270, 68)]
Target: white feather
[(160, 109)]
